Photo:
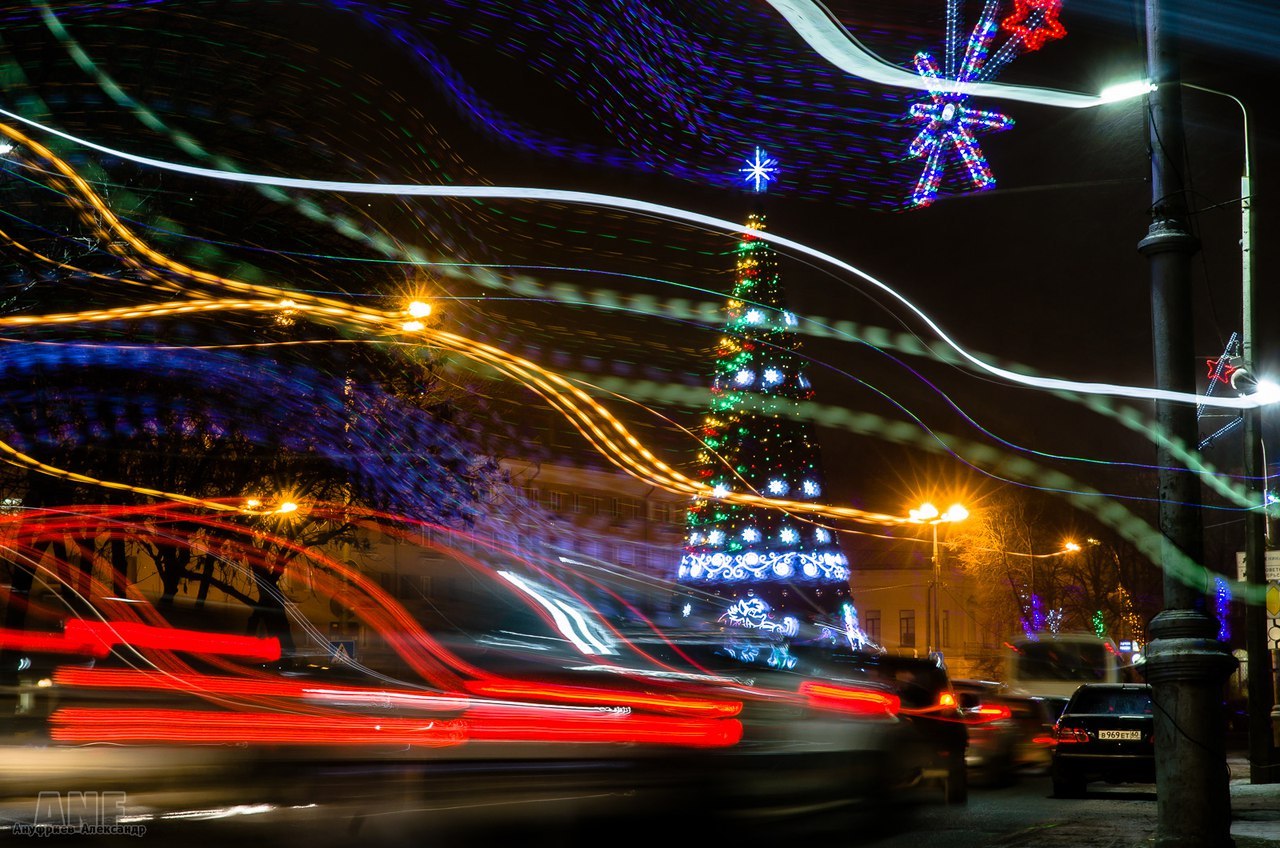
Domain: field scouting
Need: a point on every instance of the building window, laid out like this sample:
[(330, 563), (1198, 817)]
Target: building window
[(871, 625), (554, 500), (661, 512), (587, 504), (414, 586), (907, 628)]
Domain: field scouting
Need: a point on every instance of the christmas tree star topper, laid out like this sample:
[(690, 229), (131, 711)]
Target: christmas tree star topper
[(760, 170)]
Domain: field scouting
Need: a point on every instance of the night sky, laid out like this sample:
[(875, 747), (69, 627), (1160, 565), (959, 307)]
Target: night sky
[(663, 103)]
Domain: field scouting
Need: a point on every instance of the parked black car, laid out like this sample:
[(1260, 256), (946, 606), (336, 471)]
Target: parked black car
[(1107, 732)]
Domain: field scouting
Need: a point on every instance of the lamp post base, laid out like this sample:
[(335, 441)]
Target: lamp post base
[(1187, 667)]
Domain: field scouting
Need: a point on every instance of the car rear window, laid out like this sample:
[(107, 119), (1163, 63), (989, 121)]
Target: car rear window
[(1111, 701), (1062, 661)]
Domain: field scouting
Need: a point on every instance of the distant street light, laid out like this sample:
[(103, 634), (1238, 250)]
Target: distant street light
[(928, 514), (417, 310), (255, 506)]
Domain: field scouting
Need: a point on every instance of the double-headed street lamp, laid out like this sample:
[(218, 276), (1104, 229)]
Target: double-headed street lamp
[(928, 514)]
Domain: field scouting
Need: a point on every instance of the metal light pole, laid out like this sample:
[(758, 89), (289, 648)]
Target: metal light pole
[(1185, 663), (928, 514), (1262, 752), (937, 578)]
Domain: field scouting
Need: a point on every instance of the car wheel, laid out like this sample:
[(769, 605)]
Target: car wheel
[(956, 790), (1067, 785)]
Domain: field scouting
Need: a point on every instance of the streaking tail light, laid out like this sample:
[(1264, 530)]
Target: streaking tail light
[(1066, 734), (990, 712), (850, 699), (203, 727), (258, 687), (944, 708), (97, 638), (662, 702), (1045, 740), (535, 723)]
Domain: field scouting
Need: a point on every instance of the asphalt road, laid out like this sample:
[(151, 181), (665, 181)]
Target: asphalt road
[(1109, 816), (1026, 813), (391, 809)]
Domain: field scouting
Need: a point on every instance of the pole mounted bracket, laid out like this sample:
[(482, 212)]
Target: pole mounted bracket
[(1166, 235)]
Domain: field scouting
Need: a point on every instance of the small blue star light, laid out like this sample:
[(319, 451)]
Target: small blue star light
[(760, 170)]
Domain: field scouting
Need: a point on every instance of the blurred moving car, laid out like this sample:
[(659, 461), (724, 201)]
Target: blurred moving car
[(515, 698), (936, 756), (1107, 732), (1008, 732), (994, 735)]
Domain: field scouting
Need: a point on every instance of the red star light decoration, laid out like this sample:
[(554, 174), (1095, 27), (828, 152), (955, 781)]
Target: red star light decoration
[(1035, 22)]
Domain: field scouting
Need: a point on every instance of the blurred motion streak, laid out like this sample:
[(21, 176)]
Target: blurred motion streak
[(133, 680), (678, 704), (201, 726), (97, 638), (497, 723), (860, 702)]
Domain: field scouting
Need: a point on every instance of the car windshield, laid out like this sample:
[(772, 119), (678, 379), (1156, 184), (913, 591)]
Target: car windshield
[(1111, 701)]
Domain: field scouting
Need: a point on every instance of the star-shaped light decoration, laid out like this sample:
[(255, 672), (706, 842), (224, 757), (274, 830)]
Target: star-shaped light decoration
[(950, 123), (760, 170), (1034, 22)]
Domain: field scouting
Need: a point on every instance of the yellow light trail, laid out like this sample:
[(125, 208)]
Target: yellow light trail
[(604, 431)]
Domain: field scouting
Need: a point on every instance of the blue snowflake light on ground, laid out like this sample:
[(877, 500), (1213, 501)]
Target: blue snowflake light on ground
[(950, 124)]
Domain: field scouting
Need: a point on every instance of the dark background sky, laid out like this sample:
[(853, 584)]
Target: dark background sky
[(1041, 272)]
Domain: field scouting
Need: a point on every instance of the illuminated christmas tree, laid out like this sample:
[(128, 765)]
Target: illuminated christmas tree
[(769, 570)]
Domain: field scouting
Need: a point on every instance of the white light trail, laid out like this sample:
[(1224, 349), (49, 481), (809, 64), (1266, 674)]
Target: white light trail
[(1266, 395), (564, 616), (815, 24)]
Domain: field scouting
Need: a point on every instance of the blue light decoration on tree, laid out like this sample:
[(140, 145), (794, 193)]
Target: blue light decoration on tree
[(950, 124), (776, 573), (1035, 615), (1222, 607)]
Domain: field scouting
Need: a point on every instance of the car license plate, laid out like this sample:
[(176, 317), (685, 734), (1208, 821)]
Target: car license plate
[(1120, 734)]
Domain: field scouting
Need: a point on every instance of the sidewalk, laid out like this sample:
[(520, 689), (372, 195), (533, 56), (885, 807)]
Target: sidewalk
[(1255, 808)]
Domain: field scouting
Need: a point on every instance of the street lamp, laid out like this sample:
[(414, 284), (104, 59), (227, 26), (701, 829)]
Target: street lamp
[(928, 514), (417, 310), (1264, 718)]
